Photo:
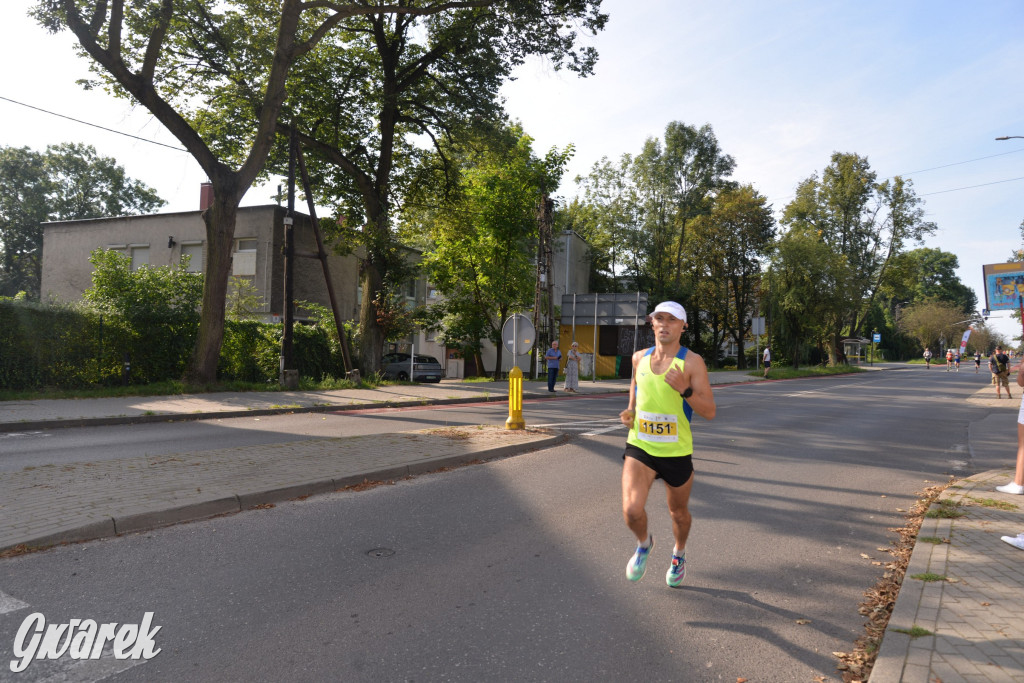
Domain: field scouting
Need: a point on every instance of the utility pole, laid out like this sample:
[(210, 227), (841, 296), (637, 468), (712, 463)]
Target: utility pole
[(543, 295), (289, 376)]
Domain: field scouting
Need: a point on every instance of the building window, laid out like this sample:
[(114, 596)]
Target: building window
[(244, 261), (140, 255), (194, 250)]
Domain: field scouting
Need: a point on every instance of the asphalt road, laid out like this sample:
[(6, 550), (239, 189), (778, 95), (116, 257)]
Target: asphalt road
[(515, 569)]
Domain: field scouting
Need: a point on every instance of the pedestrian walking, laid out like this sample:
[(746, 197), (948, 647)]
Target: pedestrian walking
[(572, 368), (999, 366), (1016, 486), (669, 384), (553, 357), (766, 359)]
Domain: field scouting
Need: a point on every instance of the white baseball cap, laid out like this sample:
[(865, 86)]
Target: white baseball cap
[(672, 308)]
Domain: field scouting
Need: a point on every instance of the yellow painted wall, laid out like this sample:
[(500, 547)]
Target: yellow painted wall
[(585, 339)]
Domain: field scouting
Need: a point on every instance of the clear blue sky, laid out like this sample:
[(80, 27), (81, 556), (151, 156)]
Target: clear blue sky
[(920, 88)]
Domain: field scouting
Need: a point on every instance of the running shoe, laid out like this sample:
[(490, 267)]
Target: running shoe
[(1016, 542), (638, 563), (1013, 488), (676, 571)]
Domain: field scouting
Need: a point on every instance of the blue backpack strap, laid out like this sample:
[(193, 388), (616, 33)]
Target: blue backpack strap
[(646, 353), (687, 410)]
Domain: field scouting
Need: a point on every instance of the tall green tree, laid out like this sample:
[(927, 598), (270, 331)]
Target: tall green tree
[(928, 273), (65, 182), (387, 83), (648, 203), (866, 222), (484, 239), (934, 324), (604, 217), (731, 244), (675, 181), (194, 64), (806, 281)]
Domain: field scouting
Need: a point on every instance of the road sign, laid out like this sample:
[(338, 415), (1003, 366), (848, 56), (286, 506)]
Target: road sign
[(518, 334), (876, 337)]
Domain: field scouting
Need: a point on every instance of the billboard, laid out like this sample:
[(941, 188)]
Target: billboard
[(1004, 286)]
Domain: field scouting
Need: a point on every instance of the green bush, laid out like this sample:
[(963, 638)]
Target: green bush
[(250, 351), (149, 317)]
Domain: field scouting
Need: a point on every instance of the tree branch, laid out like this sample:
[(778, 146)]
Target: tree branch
[(156, 41)]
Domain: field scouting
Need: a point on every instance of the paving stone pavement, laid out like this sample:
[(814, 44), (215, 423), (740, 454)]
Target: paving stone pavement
[(74, 502), (973, 612)]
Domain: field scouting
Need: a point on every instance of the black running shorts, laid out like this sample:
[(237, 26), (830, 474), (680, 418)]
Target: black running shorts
[(674, 471)]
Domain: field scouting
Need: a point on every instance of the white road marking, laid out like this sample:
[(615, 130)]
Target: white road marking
[(10, 604), (604, 431), (587, 428), (12, 435)]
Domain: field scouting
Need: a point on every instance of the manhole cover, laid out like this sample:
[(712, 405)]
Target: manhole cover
[(381, 552)]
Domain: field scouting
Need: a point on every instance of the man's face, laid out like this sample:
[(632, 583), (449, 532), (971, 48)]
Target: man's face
[(554, 345), (667, 327)]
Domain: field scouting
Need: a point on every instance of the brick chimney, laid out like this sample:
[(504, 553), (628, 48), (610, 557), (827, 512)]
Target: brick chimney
[(205, 195)]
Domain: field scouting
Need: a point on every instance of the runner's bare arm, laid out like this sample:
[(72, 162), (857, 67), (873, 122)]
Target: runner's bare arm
[(694, 376), (627, 415)]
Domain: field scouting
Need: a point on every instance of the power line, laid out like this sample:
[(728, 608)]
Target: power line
[(969, 187), (111, 130), (958, 163)]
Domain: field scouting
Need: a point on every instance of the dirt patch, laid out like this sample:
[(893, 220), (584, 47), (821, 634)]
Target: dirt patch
[(880, 599)]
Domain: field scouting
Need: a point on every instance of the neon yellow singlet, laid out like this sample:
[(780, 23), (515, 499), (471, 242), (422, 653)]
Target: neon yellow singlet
[(661, 426)]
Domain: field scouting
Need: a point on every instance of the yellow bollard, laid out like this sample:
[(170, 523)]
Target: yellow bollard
[(515, 400)]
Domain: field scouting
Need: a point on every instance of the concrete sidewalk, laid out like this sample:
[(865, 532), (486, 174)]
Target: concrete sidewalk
[(50, 413), (958, 614), (976, 628)]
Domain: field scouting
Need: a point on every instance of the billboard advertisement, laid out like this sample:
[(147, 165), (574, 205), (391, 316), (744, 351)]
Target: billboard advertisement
[(1004, 286)]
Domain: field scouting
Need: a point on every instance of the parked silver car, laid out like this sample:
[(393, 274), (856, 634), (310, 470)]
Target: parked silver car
[(425, 368)]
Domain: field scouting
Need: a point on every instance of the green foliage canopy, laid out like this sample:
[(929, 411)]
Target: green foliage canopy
[(65, 182)]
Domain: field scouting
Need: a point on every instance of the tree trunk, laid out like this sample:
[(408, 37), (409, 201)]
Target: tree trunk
[(220, 230), (371, 342)]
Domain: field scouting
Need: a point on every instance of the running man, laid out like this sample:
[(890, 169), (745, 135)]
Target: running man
[(928, 358), (669, 384)]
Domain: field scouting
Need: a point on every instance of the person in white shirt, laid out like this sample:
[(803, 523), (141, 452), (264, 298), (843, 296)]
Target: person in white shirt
[(767, 360)]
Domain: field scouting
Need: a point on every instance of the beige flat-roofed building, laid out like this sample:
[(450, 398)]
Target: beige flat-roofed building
[(163, 239)]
